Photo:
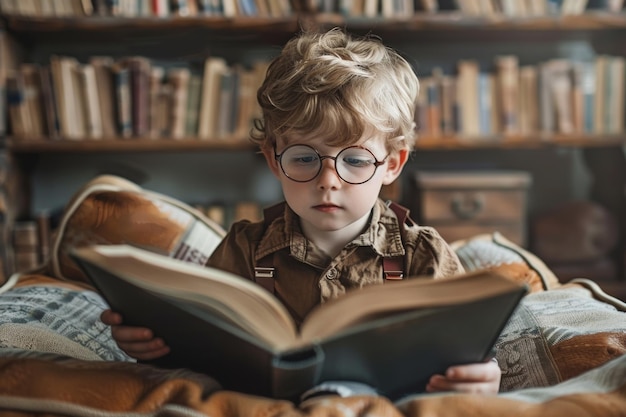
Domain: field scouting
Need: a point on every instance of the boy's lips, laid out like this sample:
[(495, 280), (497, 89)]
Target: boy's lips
[(326, 207)]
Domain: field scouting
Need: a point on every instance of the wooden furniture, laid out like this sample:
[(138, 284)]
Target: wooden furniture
[(423, 37), (464, 204)]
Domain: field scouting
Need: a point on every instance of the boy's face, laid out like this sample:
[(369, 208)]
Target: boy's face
[(327, 202)]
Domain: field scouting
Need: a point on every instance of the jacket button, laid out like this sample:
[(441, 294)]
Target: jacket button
[(331, 274)]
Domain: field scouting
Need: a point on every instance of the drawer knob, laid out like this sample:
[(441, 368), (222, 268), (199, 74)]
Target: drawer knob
[(466, 206)]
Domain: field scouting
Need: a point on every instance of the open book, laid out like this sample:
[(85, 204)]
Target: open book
[(392, 336)]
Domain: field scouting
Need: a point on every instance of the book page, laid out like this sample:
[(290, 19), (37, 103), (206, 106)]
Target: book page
[(413, 293), (259, 312)]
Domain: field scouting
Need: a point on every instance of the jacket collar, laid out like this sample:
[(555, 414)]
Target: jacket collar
[(283, 231)]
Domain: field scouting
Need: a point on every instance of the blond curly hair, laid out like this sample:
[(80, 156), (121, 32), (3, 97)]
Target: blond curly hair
[(338, 86)]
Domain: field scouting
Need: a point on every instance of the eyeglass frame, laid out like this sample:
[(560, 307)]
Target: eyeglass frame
[(377, 163)]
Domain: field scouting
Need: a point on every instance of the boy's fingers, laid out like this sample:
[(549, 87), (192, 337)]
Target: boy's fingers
[(475, 372), (110, 317), (144, 351), (127, 334)]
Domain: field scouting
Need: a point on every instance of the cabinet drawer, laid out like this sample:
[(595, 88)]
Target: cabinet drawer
[(464, 204), (476, 205)]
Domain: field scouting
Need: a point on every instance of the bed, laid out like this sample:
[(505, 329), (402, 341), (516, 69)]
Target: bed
[(562, 352)]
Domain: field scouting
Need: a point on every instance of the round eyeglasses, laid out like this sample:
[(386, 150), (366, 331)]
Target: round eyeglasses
[(354, 164)]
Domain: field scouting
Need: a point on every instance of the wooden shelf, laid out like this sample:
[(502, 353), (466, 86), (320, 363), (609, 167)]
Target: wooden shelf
[(519, 142), (34, 146), (457, 21), (96, 23), (441, 21), (113, 29)]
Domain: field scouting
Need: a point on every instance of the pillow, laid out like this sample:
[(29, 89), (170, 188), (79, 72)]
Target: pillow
[(112, 210), (45, 314), (558, 331), (492, 250), (559, 334)]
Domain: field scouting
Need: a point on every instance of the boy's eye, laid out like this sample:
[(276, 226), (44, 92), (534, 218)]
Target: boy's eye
[(308, 158), (358, 160)]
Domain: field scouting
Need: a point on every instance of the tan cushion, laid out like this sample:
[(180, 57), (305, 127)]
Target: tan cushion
[(112, 210), (494, 250)]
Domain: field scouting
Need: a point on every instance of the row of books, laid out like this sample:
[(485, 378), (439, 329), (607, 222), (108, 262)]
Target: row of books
[(522, 8), (489, 8), (147, 8), (556, 96), (31, 243), (132, 97), (281, 8)]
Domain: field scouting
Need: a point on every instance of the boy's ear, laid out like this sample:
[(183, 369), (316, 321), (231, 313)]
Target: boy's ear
[(272, 163), (395, 164)]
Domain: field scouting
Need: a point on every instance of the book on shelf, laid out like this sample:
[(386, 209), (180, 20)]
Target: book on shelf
[(228, 102), (430, 88), (601, 63), (33, 99), (178, 78), (561, 90), (8, 63), (393, 337), (614, 104), (547, 122), (102, 66), (447, 85), (214, 67), (68, 101), (193, 105), (139, 71), (89, 93), (48, 102), (123, 98), (588, 86), (159, 102), (467, 91), (529, 99), (16, 104), (577, 97), (507, 87)]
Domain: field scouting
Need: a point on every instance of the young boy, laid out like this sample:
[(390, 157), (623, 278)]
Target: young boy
[(337, 125)]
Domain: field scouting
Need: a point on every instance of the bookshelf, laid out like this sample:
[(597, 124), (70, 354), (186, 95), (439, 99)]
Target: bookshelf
[(429, 37)]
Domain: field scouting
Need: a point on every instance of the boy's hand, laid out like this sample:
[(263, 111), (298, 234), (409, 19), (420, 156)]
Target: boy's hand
[(479, 378), (137, 342)]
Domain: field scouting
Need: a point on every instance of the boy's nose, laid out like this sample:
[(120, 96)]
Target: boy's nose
[(328, 177)]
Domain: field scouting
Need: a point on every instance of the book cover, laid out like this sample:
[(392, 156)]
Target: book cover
[(390, 336), (139, 78), (106, 94), (51, 118), (214, 67), (91, 101), (193, 105), (178, 79), (123, 98), (16, 104), (32, 88), (467, 90), (507, 81)]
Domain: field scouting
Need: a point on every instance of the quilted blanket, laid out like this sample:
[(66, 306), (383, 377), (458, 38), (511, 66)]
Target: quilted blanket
[(563, 353), (30, 387)]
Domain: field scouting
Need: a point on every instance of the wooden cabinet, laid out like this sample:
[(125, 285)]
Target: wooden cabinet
[(42, 166), (464, 204)]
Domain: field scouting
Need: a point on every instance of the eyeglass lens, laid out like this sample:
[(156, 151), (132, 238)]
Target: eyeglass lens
[(302, 163)]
